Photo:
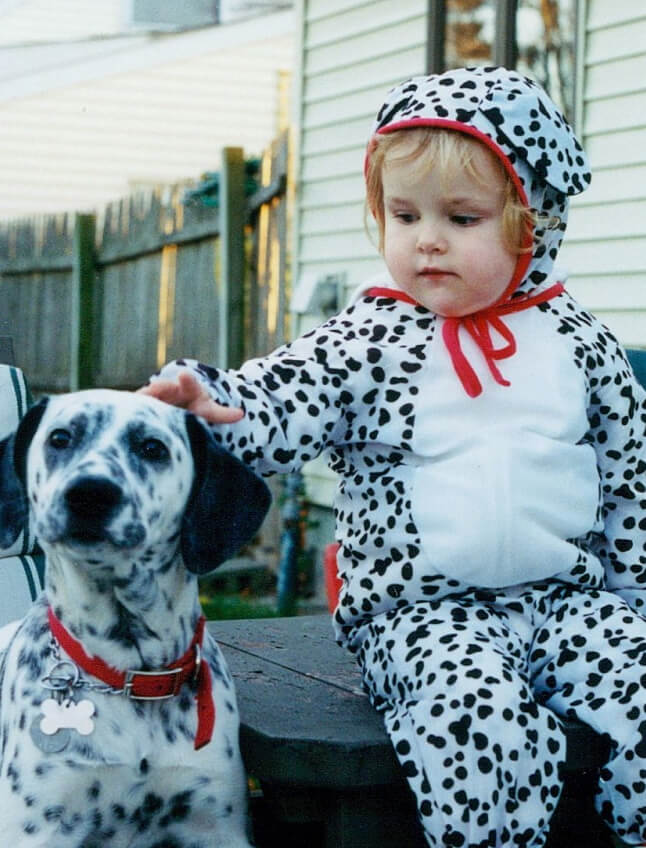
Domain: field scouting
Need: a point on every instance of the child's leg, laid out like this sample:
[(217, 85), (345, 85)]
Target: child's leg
[(479, 754), (589, 662)]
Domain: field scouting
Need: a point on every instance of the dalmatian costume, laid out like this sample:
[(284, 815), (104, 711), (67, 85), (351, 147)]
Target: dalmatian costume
[(490, 503)]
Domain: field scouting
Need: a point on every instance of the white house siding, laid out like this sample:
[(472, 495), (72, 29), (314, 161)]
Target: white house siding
[(605, 249), (129, 114), (48, 20), (351, 53)]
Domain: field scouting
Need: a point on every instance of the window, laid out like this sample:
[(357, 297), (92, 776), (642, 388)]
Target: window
[(536, 36), (470, 30), (170, 14), (545, 38)]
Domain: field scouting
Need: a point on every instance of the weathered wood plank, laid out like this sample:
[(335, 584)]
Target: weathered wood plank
[(230, 335), (329, 721), (7, 356), (85, 324)]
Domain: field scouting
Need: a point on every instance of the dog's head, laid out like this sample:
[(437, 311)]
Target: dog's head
[(106, 473)]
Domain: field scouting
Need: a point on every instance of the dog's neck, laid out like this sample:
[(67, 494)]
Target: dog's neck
[(129, 623)]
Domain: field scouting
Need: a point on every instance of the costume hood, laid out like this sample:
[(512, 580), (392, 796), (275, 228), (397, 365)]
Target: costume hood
[(518, 122), (516, 119)]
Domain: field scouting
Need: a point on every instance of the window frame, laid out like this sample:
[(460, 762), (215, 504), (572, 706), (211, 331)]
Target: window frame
[(505, 48)]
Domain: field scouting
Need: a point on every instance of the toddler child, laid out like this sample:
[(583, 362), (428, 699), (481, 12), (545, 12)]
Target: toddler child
[(488, 436)]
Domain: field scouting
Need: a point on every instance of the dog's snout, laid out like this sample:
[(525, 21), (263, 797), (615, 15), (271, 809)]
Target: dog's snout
[(92, 496)]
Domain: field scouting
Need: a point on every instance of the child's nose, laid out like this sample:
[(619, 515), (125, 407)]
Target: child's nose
[(430, 239)]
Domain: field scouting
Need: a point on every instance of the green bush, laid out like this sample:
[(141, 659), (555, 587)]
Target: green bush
[(222, 607)]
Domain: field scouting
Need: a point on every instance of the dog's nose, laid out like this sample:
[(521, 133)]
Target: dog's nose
[(94, 497)]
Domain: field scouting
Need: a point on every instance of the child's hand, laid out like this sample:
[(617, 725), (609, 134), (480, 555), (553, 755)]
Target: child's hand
[(187, 393)]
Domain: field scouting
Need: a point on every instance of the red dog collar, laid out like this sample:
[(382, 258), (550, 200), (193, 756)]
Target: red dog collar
[(151, 685)]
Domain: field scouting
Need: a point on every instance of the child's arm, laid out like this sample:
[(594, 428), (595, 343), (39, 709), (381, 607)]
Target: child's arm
[(276, 412), (618, 416)]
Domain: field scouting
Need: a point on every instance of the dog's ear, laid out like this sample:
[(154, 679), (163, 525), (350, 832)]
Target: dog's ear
[(13, 503), (226, 507), (13, 474)]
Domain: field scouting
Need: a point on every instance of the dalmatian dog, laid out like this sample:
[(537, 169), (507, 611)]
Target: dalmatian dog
[(118, 716)]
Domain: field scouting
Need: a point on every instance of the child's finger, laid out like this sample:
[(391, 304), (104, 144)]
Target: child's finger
[(199, 402), (164, 390), (187, 393), (184, 392), (190, 389), (215, 413)]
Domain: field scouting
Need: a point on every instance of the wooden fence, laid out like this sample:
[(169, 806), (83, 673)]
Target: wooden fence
[(104, 299)]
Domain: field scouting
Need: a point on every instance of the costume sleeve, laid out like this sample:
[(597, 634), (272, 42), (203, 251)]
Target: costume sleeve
[(617, 416), (297, 400)]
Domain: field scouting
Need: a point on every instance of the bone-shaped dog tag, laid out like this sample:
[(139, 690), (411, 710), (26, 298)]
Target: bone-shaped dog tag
[(67, 714)]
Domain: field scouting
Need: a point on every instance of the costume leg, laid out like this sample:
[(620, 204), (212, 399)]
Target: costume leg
[(589, 662), (451, 680)]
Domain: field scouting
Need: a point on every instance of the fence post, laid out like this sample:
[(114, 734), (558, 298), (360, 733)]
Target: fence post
[(83, 327), (230, 285)]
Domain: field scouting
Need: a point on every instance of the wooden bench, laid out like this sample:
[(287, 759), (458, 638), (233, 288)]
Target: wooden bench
[(328, 773), (7, 356)]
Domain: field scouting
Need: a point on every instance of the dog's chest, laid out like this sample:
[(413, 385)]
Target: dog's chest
[(136, 764), (42, 687)]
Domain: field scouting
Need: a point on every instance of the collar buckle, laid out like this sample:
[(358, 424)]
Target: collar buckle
[(129, 684), (198, 663)]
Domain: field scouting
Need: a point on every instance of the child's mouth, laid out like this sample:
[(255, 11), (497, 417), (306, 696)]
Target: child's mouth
[(434, 273)]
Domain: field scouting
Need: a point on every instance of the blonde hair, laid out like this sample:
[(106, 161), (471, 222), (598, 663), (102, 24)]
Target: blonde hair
[(452, 152)]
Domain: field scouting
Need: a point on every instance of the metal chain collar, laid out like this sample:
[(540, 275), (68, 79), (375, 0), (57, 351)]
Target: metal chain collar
[(56, 680)]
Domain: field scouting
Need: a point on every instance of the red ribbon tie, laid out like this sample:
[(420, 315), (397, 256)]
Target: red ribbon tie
[(479, 326)]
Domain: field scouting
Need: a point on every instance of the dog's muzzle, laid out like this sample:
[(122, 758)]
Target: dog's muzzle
[(93, 505), (90, 503)]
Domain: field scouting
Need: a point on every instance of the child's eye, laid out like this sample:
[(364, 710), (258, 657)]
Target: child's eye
[(464, 220), (405, 217)]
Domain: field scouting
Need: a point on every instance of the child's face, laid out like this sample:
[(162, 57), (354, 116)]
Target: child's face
[(443, 239)]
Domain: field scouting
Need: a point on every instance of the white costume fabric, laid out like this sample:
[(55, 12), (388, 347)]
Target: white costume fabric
[(490, 504)]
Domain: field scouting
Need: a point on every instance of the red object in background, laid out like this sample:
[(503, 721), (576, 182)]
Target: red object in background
[(332, 580)]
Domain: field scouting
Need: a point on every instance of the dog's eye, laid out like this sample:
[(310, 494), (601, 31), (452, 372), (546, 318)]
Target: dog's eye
[(59, 439), (153, 450)]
